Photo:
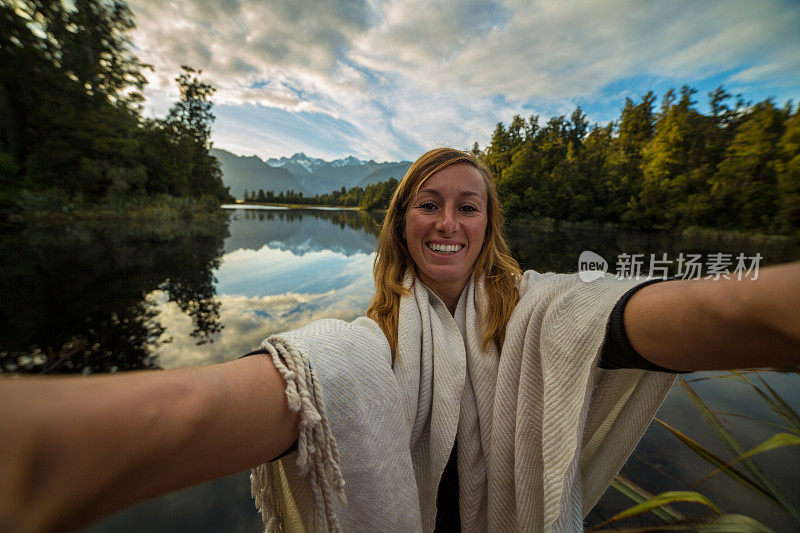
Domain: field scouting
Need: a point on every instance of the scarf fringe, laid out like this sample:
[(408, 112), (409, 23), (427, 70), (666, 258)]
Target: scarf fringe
[(317, 453)]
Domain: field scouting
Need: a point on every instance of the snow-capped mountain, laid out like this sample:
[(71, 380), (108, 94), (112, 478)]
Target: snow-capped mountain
[(301, 173), (348, 161), (310, 164), (320, 176)]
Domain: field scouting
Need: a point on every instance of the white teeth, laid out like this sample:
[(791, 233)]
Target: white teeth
[(444, 248)]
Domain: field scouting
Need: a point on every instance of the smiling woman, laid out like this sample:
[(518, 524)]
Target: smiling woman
[(472, 395), (448, 198), (445, 228)]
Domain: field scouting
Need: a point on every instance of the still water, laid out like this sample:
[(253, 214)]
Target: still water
[(97, 297)]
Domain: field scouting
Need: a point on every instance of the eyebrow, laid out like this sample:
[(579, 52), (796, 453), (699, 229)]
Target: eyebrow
[(463, 193)]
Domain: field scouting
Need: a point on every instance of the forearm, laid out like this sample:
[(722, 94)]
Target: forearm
[(719, 324), (78, 448)]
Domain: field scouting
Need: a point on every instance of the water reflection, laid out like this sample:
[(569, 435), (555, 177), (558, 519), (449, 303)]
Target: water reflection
[(280, 270), (77, 295), (302, 230), (267, 291), (556, 250)]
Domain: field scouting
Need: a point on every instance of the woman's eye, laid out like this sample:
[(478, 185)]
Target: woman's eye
[(427, 206), (468, 208)]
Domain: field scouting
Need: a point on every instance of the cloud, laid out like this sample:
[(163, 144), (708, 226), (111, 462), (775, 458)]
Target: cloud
[(552, 50), (248, 36), (402, 76), (285, 48), (250, 320)]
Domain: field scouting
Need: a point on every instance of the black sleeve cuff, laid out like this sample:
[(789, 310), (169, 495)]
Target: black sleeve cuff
[(259, 351), (293, 447), (617, 351)]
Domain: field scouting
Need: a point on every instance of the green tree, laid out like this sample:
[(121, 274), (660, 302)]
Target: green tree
[(788, 172), (622, 170), (176, 149), (190, 117), (498, 153), (69, 96), (189, 123), (735, 167), (588, 200), (745, 186), (674, 185)]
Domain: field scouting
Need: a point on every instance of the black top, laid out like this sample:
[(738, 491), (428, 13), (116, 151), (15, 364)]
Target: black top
[(616, 353)]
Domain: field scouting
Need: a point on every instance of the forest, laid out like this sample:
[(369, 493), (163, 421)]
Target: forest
[(375, 196), (735, 168), (72, 133)]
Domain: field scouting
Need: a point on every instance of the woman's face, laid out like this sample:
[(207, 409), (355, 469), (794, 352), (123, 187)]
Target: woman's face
[(445, 227)]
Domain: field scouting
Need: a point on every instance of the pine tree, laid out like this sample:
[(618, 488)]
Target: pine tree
[(745, 186), (787, 218), (674, 187)]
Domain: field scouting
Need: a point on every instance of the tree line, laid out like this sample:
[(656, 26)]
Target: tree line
[(737, 167), (71, 119), (71, 126), (375, 196)]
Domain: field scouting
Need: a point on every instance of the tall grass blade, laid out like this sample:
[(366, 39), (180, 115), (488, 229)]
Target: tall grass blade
[(733, 445), (779, 440), (727, 523), (787, 412), (725, 376), (717, 461), (659, 501), (776, 402), (753, 419), (640, 495)]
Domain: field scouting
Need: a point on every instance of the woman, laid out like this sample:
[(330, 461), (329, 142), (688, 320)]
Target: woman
[(459, 349)]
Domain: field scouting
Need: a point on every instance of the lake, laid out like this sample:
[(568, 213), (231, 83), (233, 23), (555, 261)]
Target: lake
[(86, 297)]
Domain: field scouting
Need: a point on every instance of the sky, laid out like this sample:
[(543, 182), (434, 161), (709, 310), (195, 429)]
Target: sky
[(388, 80)]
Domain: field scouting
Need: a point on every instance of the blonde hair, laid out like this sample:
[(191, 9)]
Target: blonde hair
[(500, 271)]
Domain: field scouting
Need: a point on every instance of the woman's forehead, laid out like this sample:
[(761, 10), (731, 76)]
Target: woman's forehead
[(460, 179)]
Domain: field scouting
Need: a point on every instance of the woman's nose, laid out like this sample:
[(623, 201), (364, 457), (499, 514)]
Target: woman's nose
[(447, 221)]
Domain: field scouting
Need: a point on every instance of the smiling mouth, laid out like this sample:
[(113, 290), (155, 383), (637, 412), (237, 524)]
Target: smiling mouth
[(444, 249)]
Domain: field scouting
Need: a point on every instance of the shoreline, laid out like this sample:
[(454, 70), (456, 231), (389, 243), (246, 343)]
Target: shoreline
[(162, 207), (692, 232), (319, 207), (190, 208)]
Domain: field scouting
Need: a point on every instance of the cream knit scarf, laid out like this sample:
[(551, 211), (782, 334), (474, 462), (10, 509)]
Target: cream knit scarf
[(541, 431)]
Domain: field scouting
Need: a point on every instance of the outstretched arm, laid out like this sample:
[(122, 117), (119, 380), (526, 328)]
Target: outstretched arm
[(73, 449), (719, 324)]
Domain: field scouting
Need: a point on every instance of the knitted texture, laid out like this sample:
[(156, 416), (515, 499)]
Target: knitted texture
[(541, 430)]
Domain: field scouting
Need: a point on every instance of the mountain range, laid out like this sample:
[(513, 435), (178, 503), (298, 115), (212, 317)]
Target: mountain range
[(301, 173)]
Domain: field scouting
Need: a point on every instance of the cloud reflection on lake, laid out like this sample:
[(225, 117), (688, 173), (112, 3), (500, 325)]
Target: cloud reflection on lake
[(266, 291)]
